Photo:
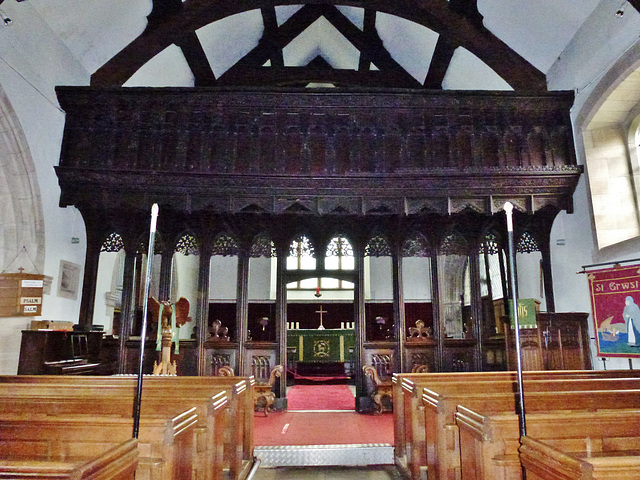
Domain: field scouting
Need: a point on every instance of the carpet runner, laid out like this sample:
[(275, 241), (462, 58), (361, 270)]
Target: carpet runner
[(322, 428), (320, 397)]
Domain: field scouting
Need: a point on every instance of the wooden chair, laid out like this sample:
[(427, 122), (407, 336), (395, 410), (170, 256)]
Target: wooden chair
[(382, 389), (263, 394), (225, 371)]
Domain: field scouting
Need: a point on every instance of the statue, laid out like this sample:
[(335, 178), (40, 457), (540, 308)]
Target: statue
[(218, 332), (169, 318), (420, 332)]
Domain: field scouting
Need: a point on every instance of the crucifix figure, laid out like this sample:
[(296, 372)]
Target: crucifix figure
[(321, 327)]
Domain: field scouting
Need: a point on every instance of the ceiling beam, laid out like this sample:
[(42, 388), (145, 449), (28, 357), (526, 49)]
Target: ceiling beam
[(270, 22), (439, 63), (197, 60), (371, 44), (302, 76), (434, 14), (369, 26), (269, 47)]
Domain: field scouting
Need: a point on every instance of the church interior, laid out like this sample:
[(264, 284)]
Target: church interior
[(233, 200)]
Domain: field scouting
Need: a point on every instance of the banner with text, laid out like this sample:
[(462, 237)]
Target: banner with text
[(615, 303)]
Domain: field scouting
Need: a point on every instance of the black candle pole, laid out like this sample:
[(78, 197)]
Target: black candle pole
[(143, 334), (508, 209)]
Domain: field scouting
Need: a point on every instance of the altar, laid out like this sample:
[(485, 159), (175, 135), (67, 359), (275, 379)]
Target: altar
[(322, 346), (319, 353)]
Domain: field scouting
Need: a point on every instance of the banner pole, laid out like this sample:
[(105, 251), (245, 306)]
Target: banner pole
[(508, 208), (143, 334)]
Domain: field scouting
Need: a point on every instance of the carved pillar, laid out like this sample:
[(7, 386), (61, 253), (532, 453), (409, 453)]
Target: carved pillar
[(359, 317), (437, 322), (166, 263), (202, 307), (127, 304), (398, 308), (476, 308), (547, 276), (242, 309), (92, 260), (505, 281), (281, 316), (488, 324)]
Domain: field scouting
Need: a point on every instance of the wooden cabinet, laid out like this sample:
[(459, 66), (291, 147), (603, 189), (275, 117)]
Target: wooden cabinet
[(559, 342)]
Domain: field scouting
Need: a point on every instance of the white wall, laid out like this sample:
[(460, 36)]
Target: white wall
[(32, 61), (602, 50)]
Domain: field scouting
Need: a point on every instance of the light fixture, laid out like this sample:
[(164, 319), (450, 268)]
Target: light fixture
[(620, 12), (6, 20)]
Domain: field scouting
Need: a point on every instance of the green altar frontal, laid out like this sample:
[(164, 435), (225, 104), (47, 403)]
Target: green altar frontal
[(322, 346)]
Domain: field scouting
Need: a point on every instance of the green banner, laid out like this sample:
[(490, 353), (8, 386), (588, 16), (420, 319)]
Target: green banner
[(526, 313)]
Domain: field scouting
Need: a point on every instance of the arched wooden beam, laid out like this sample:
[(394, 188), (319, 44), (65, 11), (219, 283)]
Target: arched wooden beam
[(434, 14)]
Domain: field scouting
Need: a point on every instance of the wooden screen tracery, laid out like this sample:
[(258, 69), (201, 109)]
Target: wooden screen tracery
[(404, 174)]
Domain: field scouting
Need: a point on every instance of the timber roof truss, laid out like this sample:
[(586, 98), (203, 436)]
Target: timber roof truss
[(457, 23)]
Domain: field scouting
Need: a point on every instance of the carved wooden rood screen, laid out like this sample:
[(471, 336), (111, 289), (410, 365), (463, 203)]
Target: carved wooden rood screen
[(428, 172)]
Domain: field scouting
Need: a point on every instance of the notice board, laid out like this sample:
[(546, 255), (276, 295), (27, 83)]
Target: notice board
[(21, 294)]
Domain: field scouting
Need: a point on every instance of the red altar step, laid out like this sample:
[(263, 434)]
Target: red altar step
[(323, 428)]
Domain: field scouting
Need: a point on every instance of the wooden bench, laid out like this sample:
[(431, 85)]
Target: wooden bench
[(544, 462), (489, 442), (165, 446), (27, 400), (409, 410), (109, 393), (442, 435), (117, 463)]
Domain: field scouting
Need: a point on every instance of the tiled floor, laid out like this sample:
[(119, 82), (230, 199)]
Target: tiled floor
[(328, 473)]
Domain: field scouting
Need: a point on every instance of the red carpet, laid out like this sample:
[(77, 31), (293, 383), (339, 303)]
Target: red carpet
[(320, 397), (322, 428)]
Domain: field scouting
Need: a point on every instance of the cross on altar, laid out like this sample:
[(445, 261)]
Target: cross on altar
[(321, 327)]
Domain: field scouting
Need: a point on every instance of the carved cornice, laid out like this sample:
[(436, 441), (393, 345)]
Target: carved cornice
[(317, 153)]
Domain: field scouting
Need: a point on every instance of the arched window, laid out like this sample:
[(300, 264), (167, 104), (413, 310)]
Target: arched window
[(339, 256), (611, 142)]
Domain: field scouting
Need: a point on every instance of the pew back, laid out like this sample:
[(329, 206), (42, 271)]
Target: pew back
[(441, 433), (410, 442), (489, 442), (165, 447), (117, 463), (109, 393)]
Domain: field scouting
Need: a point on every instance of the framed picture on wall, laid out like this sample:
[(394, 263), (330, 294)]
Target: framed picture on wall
[(68, 280)]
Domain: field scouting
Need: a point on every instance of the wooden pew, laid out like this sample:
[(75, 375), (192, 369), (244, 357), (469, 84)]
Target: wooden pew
[(165, 446), (29, 400), (489, 442), (442, 435), (117, 463), (409, 411), (238, 428), (544, 462)]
